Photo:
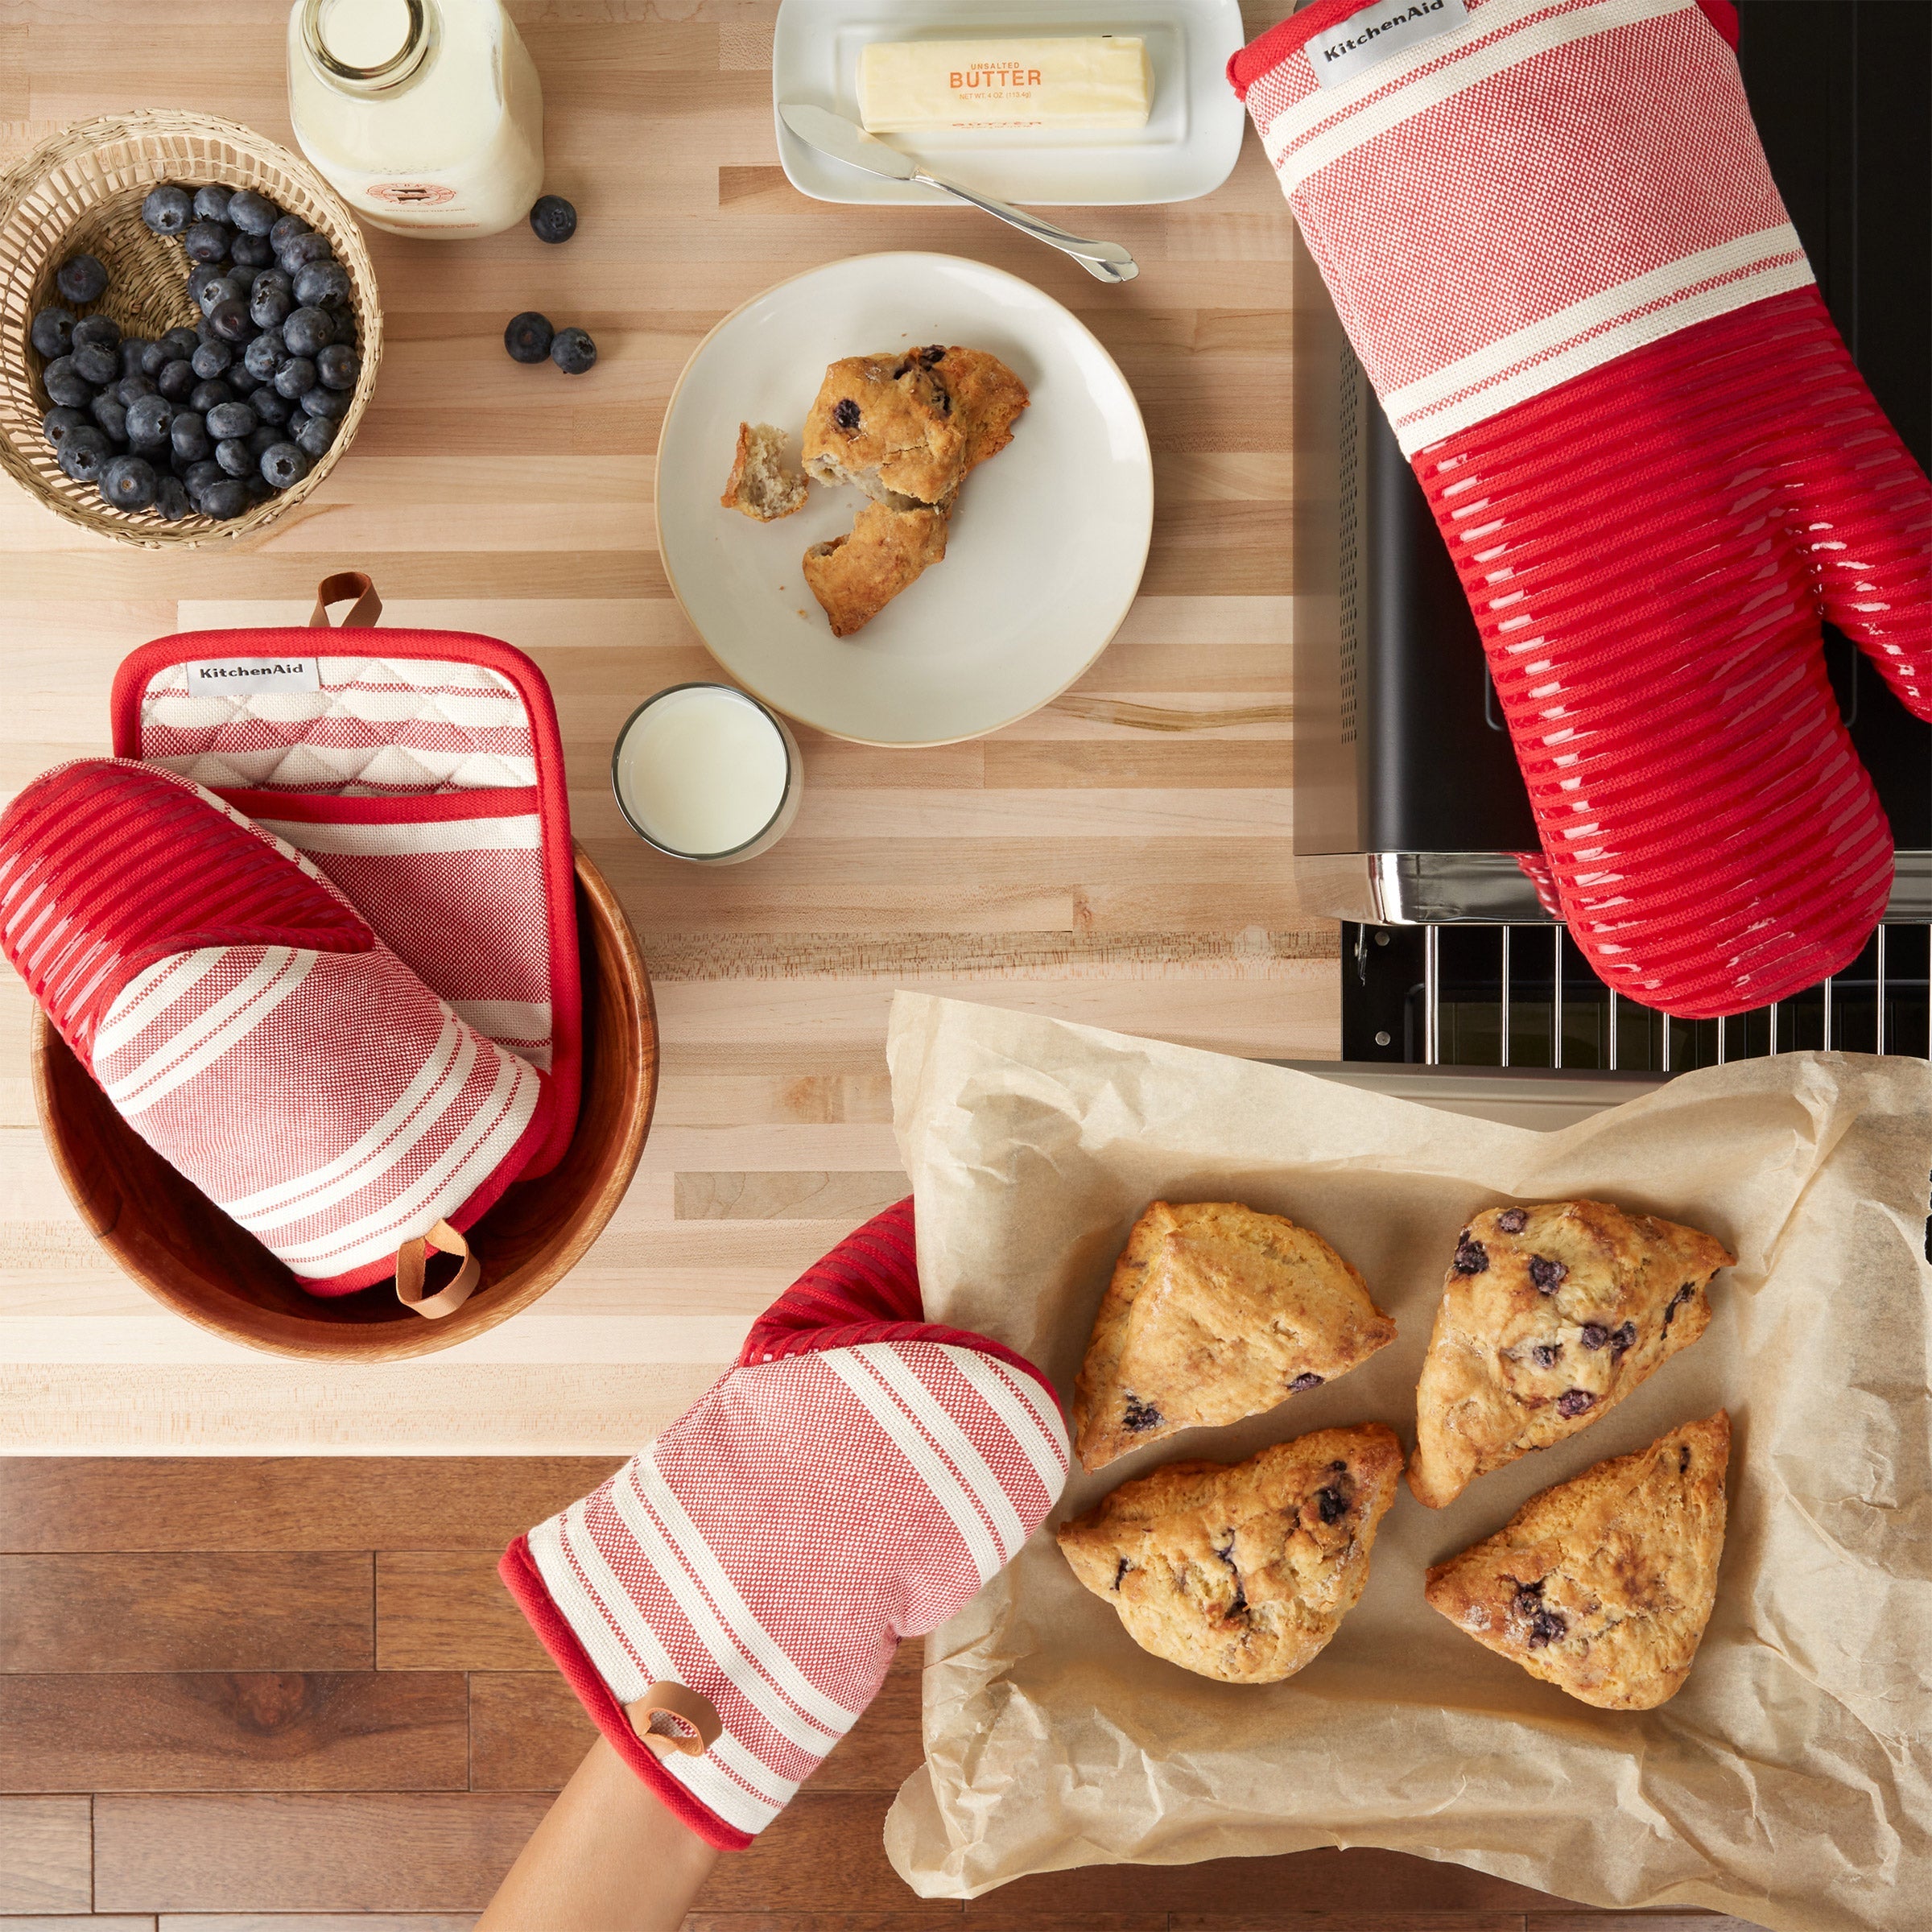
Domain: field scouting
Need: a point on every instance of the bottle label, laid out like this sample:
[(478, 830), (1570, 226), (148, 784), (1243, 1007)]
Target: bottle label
[(1367, 38), (410, 194)]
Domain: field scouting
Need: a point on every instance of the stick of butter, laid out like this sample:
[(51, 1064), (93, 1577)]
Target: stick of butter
[(1102, 81)]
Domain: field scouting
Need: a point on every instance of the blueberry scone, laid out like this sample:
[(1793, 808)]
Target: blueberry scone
[(760, 486), (1241, 1571), (855, 577), (1216, 1312), (1551, 1315), (1603, 1585)]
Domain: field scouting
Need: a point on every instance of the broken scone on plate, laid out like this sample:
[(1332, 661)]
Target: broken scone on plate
[(759, 486), (1603, 1585), (1551, 1315), (1216, 1312), (1241, 1571), (855, 577)]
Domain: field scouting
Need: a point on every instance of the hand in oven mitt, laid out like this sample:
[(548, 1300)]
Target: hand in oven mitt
[(1552, 238), (247, 1023), (854, 1479)]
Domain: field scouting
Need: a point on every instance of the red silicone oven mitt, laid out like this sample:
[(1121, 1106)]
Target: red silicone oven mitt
[(853, 1479), (1551, 236), (248, 1025)]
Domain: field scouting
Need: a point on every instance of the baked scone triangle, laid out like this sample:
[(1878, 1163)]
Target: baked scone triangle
[(1550, 1316), (1241, 1571), (1603, 1585), (1216, 1312), (855, 577)]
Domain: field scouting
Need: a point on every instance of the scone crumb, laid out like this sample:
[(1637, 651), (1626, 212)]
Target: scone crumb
[(760, 486)]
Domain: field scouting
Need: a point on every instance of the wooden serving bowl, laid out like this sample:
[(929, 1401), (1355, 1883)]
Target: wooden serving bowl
[(191, 1257)]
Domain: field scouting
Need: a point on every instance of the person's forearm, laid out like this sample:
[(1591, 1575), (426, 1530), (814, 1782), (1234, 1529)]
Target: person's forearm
[(608, 1857)]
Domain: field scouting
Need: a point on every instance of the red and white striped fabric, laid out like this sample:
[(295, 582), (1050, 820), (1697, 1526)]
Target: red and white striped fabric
[(422, 773), (854, 1479), (1551, 235), (250, 1027)]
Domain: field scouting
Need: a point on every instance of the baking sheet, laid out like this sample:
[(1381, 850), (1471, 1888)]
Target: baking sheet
[(1787, 1783)]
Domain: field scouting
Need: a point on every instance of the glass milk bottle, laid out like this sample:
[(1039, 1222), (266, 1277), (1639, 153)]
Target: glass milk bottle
[(426, 116)]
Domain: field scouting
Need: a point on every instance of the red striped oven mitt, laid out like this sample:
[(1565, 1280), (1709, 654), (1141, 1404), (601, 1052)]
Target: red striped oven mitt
[(728, 1604), (1551, 236), (252, 1030)]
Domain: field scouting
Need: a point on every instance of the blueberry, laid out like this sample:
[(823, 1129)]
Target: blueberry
[(179, 342), (285, 231), (212, 359), (1677, 1301), (328, 402), (97, 332), (146, 358), (1622, 1341), (253, 213), (225, 499), (218, 289), (233, 455), (227, 419), (53, 333), (1512, 1221), (295, 377), (846, 415), (230, 322), (337, 366), (128, 482), (250, 251), (553, 219), (131, 389), (317, 282), (206, 240), (149, 420), (1332, 1504), (1574, 1401), (256, 487), (211, 202), (110, 416), (271, 406), (1138, 1416), (1472, 1256), (171, 498), (200, 473), (241, 380), (167, 210), (266, 355), (81, 278), (1545, 1354), (300, 250), (198, 278), (269, 305), (283, 464), (64, 384), (265, 436), (99, 367), (1546, 1275), (528, 337), (274, 278), (204, 396), (188, 435), (307, 331), (57, 422), (85, 453), (573, 352), (314, 435), (1303, 1382)]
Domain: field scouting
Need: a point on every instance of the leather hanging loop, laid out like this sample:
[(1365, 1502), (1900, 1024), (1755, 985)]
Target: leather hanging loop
[(412, 1268), (691, 1726), (366, 608)]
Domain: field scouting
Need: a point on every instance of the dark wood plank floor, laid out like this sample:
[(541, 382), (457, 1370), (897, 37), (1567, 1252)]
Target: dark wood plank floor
[(245, 1696)]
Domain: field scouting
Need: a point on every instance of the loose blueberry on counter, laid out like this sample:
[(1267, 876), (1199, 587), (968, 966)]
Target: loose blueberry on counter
[(553, 219), (64, 384), (57, 422), (573, 352), (283, 463), (314, 435), (131, 389), (188, 435), (285, 230), (230, 322), (529, 336), (212, 359), (204, 396), (233, 456), (211, 202), (227, 419), (299, 250), (95, 364), (320, 281), (149, 420), (337, 366), (205, 241), (97, 332), (52, 333), (270, 405), (171, 499), (81, 278), (253, 213), (250, 251), (110, 417), (294, 378), (128, 483), (225, 499), (327, 403), (307, 330), (167, 210), (84, 453)]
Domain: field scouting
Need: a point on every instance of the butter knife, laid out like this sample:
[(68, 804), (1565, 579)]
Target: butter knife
[(846, 141)]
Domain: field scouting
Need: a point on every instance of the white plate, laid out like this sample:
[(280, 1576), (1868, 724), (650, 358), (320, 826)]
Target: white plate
[(1187, 148), (1047, 546)]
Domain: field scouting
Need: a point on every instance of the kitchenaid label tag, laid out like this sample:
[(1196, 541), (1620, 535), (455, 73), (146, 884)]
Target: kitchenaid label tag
[(1376, 32), (243, 677)]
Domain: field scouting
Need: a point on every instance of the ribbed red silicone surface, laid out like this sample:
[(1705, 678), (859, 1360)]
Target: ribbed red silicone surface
[(1648, 551)]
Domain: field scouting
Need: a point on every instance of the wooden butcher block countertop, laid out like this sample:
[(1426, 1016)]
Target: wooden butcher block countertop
[(1121, 857)]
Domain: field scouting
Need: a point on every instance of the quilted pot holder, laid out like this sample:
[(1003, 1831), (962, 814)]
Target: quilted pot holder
[(421, 771)]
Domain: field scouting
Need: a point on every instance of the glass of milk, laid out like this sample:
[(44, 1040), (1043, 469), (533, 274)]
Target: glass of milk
[(427, 116), (706, 773)]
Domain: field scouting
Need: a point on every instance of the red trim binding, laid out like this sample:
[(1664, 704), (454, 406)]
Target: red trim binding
[(524, 1584), (138, 670), (1247, 64), (422, 808)]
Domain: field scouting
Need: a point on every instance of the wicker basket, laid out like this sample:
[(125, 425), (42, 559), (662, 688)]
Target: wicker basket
[(82, 189)]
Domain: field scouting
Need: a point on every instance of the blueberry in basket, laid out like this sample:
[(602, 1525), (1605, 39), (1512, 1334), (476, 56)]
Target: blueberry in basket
[(81, 278), (168, 209), (52, 332)]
